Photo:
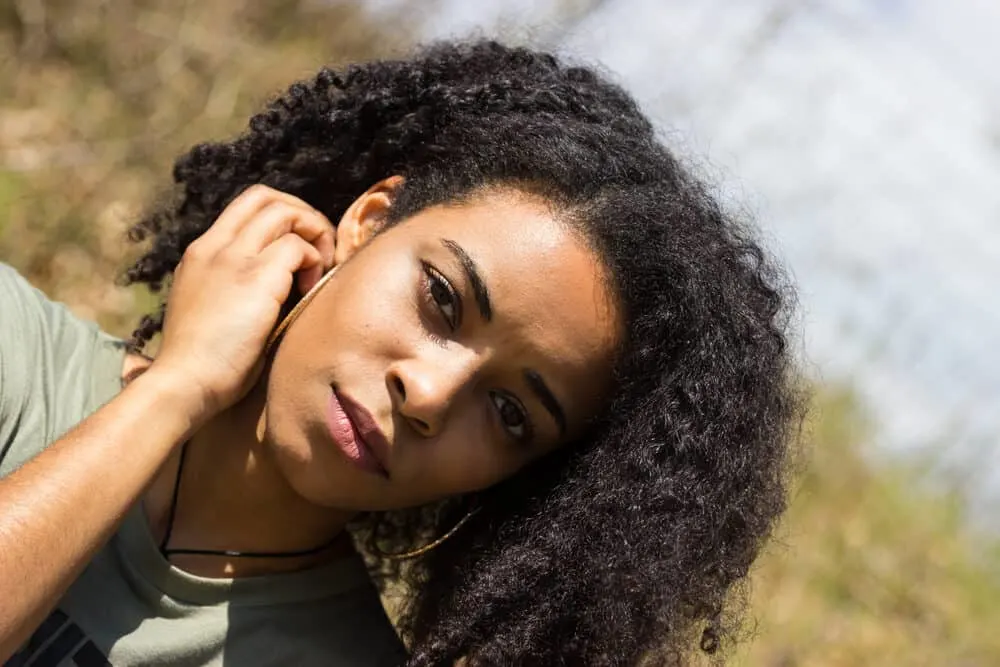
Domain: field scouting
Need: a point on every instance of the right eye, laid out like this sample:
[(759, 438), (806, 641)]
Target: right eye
[(443, 296)]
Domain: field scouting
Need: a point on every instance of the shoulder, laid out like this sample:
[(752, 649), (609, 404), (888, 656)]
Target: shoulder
[(17, 297), (33, 326), (55, 368), (30, 318), (25, 313)]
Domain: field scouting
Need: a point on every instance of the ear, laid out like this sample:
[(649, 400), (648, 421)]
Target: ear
[(364, 218)]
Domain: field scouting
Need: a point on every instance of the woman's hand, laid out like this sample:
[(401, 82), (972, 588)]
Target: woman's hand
[(228, 291)]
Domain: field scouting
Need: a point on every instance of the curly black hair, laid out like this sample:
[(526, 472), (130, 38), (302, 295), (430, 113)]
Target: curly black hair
[(630, 545)]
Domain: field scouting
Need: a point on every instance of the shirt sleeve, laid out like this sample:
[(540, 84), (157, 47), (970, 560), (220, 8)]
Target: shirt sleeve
[(19, 326), (47, 369)]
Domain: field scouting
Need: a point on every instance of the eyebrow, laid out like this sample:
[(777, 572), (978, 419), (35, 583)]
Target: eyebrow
[(474, 277), (547, 398)]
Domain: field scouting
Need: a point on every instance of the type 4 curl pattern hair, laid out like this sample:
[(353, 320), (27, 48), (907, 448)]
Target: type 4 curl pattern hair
[(628, 545)]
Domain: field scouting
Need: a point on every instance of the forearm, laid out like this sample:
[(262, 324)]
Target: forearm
[(60, 508)]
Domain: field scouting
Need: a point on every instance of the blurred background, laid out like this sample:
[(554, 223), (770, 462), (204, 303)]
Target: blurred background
[(863, 135)]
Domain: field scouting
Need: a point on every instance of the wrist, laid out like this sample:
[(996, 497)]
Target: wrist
[(176, 390)]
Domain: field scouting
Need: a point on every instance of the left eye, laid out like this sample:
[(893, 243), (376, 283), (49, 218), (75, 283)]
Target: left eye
[(512, 415), (444, 296)]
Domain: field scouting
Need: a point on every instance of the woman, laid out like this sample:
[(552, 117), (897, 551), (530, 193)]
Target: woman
[(538, 380)]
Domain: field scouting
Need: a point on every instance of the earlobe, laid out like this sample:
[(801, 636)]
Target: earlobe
[(365, 216)]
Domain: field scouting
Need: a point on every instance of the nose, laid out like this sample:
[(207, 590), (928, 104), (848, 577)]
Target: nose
[(424, 391)]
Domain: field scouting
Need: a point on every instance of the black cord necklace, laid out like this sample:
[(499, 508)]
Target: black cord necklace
[(167, 552)]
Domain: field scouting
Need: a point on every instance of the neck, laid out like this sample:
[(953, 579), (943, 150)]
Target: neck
[(232, 497)]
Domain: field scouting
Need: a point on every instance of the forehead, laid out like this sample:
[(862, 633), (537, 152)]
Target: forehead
[(548, 288)]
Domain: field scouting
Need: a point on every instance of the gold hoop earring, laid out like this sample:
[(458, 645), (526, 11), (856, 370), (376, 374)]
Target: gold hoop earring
[(294, 313), (407, 555)]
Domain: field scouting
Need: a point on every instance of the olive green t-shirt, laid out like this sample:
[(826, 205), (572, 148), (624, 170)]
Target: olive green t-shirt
[(130, 606)]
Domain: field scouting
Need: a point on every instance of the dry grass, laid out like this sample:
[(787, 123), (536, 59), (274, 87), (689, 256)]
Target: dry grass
[(97, 97), (872, 567)]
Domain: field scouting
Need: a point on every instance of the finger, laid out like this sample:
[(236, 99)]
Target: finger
[(243, 209), (287, 256), (306, 278), (279, 219)]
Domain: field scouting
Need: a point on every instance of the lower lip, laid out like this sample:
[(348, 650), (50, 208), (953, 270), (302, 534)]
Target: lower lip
[(347, 439)]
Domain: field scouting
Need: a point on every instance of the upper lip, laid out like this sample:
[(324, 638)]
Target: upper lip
[(368, 430)]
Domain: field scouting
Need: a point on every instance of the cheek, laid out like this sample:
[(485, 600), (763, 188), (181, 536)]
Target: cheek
[(373, 309), (463, 459), (295, 410)]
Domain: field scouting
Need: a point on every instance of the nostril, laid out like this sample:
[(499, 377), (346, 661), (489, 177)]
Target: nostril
[(421, 426)]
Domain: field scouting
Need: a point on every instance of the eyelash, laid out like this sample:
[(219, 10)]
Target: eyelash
[(434, 278)]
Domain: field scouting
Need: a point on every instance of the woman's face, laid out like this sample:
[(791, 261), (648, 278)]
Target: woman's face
[(445, 354)]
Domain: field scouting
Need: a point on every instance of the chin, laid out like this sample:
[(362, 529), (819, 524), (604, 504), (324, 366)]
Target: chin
[(321, 477)]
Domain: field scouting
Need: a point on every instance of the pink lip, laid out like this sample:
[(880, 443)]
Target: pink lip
[(356, 434)]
